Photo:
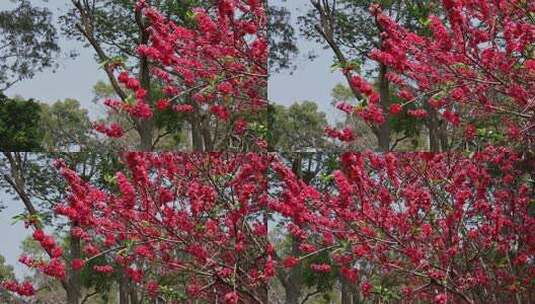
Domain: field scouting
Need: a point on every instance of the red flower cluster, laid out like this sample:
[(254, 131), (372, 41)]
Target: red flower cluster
[(382, 219), (24, 289), (321, 267), (182, 208), (345, 135), (114, 130)]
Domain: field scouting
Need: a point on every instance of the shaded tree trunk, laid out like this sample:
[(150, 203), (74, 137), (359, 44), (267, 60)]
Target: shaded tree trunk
[(196, 134), (292, 295), (74, 282), (294, 286), (443, 136), (146, 126), (432, 124), (349, 293), (207, 136), (383, 132), (134, 299), (146, 134), (123, 287), (355, 295), (346, 294)]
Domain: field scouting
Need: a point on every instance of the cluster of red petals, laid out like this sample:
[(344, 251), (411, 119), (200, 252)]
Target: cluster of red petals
[(321, 268), (114, 130), (345, 135), (24, 289), (477, 60), (372, 113)]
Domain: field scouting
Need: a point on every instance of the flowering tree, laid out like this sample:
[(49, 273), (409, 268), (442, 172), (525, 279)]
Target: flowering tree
[(437, 227), (443, 228), (351, 33), (470, 69), (477, 65), (215, 71), (183, 225), (31, 179)]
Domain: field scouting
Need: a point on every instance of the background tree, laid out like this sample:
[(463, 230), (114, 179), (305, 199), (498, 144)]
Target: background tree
[(29, 43), (66, 127), (19, 125), (6, 273), (298, 128), (282, 39)]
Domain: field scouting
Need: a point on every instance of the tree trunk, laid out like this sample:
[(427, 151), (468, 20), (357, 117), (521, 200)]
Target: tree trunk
[(383, 138), (146, 126), (146, 134), (383, 131), (443, 136), (262, 294), (196, 134), (294, 286), (355, 295), (346, 291), (123, 287), (74, 283), (292, 295), (133, 293), (433, 128), (207, 136)]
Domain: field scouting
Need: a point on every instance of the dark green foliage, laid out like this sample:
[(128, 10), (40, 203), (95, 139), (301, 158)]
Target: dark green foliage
[(19, 125), (297, 128), (323, 282), (101, 282), (282, 43)]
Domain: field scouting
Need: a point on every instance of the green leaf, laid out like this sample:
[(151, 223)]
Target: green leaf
[(110, 179), (191, 16), (352, 64), (424, 21), (103, 63), (17, 218)]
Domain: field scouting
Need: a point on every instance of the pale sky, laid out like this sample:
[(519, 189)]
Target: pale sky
[(75, 78), (313, 80), (11, 235)]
